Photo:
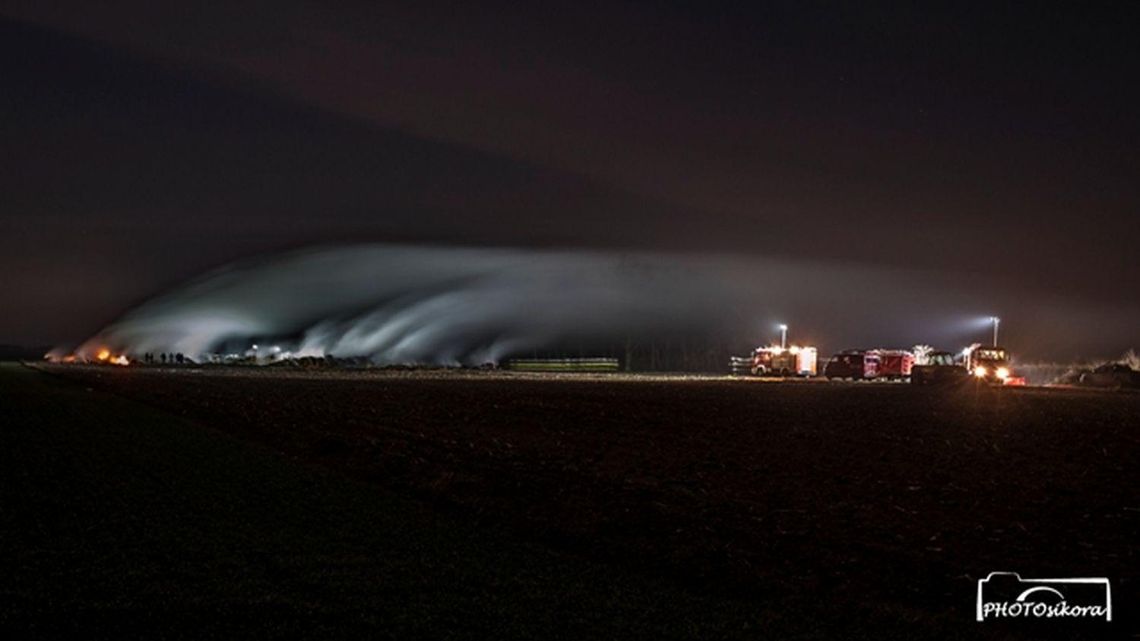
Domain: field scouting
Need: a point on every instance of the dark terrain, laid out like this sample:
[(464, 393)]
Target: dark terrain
[(600, 506)]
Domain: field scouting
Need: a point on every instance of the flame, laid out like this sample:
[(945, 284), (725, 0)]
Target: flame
[(104, 355)]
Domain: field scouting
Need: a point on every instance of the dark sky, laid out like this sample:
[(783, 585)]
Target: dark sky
[(145, 144)]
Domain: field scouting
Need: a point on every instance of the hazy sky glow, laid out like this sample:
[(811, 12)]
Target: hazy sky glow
[(987, 153)]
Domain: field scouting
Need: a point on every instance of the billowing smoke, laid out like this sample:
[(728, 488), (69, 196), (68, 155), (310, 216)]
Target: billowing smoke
[(448, 305), (424, 304)]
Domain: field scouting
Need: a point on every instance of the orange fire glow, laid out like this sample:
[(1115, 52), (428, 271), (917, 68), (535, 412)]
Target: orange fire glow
[(103, 354)]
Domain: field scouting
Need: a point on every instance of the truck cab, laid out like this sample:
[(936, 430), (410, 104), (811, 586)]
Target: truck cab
[(990, 365)]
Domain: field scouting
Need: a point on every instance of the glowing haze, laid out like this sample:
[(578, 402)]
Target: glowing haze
[(469, 306), (444, 306)]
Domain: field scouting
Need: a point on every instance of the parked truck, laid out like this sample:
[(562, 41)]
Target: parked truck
[(990, 365), (939, 368), (870, 364), (854, 364), (894, 364), (781, 361)]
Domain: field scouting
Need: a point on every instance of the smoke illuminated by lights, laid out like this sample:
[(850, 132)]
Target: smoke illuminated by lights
[(469, 306), (442, 306)]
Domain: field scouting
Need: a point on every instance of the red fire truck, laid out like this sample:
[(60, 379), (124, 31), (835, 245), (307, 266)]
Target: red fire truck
[(780, 361), (868, 364), (894, 363)]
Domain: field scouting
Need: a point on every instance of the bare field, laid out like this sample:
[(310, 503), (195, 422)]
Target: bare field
[(880, 502)]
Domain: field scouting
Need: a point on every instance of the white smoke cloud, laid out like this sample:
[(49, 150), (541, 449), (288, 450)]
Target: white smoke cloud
[(421, 304), (448, 305)]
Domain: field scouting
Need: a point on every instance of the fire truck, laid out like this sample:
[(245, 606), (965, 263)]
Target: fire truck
[(780, 361), (990, 365), (868, 364), (893, 363)]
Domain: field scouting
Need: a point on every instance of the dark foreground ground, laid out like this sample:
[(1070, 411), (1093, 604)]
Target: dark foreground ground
[(196, 502)]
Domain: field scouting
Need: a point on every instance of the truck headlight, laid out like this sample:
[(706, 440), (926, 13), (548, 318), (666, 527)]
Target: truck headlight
[(980, 371), (1002, 373)]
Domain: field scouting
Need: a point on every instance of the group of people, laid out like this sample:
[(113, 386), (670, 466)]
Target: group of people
[(164, 358)]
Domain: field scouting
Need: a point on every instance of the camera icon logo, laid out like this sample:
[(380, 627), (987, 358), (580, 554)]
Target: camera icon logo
[(1005, 595)]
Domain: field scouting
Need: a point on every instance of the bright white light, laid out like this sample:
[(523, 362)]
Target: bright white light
[(783, 328), (980, 371), (1002, 373)]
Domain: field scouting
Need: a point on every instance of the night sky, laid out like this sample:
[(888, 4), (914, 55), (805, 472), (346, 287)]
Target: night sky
[(144, 144)]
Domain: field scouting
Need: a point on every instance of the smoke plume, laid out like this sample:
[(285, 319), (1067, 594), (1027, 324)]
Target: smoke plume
[(394, 304), (426, 305)]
